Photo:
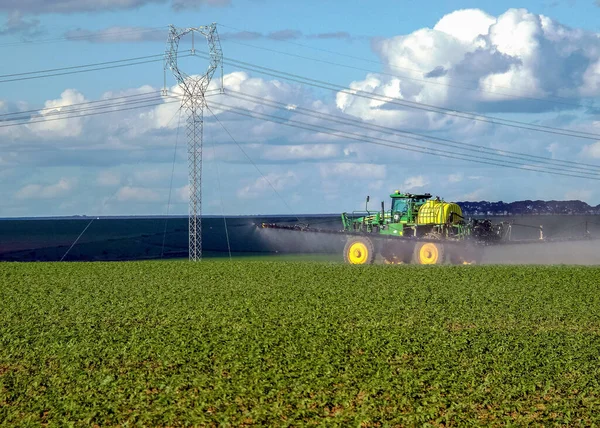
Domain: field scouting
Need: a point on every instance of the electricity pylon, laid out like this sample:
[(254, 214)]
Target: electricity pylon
[(193, 102)]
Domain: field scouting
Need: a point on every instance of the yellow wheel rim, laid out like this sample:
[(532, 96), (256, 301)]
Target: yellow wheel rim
[(429, 254), (358, 253)]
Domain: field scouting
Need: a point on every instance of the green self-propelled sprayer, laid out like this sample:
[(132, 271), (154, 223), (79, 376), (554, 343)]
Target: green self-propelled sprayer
[(416, 228)]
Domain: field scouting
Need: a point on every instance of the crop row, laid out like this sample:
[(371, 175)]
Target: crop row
[(176, 343)]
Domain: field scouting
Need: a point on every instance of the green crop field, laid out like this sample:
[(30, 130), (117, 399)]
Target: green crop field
[(294, 343)]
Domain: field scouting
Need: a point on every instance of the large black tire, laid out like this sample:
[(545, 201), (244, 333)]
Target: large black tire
[(359, 251), (466, 254), (429, 253), (397, 253)]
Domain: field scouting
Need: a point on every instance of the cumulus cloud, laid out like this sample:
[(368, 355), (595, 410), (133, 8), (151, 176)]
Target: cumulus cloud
[(465, 25), (37, 191), (318, 161), (49, 128), (515, 53), (165, 115)]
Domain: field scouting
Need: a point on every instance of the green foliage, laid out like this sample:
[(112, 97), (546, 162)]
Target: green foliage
[(283, 343)]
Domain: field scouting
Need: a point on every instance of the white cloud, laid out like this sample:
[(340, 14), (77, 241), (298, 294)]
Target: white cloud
[(455, 178), (137, 194), (46, 127), (517, 52), (108, 178), (235, 83), (448, 53), (182, 194), (267, 183), (51, 191), (302, 152), (465, 24), (153, 175), (592, 150), (353, 170), (415, 182)]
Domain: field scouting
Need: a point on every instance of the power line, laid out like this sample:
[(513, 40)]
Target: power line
[(251, 161), (77, 240), (422, 72), (162, 251), (416, 79), (82, 109), (66, 106), (413, 104), (415, 136), (2, 76), (89, 114), (67, 113), (81, 70), (386, 142), (76, 104), (216, 164), (421, 106), (104, 205), (67, 116)]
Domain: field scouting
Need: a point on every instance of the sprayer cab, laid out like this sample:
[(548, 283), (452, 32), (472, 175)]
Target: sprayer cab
[(405, 206), (409, 214)]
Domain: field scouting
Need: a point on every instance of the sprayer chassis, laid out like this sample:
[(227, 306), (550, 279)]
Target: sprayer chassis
[(395, 249)]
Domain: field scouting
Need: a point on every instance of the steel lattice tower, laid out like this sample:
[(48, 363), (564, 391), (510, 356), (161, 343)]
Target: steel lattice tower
[(193, 103)]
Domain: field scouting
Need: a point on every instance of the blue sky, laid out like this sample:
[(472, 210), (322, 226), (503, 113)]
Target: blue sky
[(121, 163)]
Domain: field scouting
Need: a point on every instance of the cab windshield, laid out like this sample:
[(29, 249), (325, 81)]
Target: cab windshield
[(399, 205)]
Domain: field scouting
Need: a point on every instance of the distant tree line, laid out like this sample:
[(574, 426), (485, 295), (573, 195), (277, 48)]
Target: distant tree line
[(528, 207)]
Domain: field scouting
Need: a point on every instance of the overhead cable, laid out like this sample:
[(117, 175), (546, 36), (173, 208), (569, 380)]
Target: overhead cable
[(109, 108), (82, 109), (89, 114), (389, 143), (64, 106), (413, 104), (252, 162), (65, 73), (413, 135)]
